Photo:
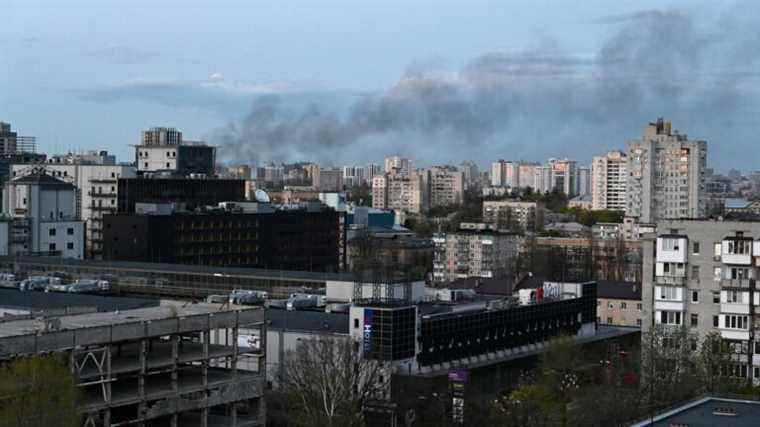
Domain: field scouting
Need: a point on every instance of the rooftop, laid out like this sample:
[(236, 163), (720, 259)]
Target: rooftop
[(709, 411), (39, 301), (114, 318), (618, 290)]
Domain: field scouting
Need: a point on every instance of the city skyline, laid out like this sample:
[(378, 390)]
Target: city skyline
[(615, 68)]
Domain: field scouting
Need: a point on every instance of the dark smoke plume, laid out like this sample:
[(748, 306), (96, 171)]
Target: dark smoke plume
[(531, 103)]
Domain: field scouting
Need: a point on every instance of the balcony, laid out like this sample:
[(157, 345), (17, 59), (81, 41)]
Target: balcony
[(736, 283), (110, 194), (734, 334), (670, 280), (734, 308)]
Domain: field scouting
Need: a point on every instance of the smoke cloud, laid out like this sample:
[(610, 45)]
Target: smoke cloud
[(529, 103)]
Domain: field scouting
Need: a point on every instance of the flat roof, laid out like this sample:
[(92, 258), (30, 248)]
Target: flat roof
[(285, 275), (172, 309), (709, 411), (36, 301)]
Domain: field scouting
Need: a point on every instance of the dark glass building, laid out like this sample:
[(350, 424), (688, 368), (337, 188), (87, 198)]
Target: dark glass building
[(191, 192)]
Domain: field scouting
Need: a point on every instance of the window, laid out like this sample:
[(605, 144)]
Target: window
[(735, 297), (695, 248), (609, 320), (735, 322), (717, 251), (670, 317), (693, 343), (670, 244), (52, 247), (695, 272), (638, 322), (610, 306), (738, 273), (716, 297), (146, 164), (70, 245), (167, 164), (669, 293), (695, 296), (598, 303), (623, 306), (356, 323), (715, 321), (638, 306), (51, 232), (694, 320), (716, 274), (739, 247), (70, 231)]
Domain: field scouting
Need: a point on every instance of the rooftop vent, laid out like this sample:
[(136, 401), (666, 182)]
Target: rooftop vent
[(724, 411)]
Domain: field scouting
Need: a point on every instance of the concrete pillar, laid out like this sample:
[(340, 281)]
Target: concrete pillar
[(205, 336), (175, 360)]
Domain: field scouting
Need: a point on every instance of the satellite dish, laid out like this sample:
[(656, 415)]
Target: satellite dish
[(261, 196)]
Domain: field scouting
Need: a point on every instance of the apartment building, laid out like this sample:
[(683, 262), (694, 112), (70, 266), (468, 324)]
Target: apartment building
[(446, 186), (328, 180), (528, 216), (703, 274), (618, 303), (95, 178), (399, 165), (666, 175), (42, 212), (476, 250), (564, 176), (163, 150), (408, 194), (542, 179), (609, 181)]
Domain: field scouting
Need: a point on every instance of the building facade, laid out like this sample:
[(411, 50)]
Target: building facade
[(609, 181), (666, 175), (618, 303), (479, 251), (96, 191), (527, 216), (43, 216), (296, 239), (398, 165), (191, 192), (408, 194), (164, 150), (446, 186), (702, 275)]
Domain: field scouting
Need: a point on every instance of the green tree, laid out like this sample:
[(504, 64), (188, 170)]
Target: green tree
[(38, 392)]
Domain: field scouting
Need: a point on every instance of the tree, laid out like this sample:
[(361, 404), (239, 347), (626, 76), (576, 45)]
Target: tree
[(328, 383), (668, 366), (36, 392)]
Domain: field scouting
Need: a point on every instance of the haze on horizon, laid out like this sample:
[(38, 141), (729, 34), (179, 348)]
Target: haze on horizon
[(344, 82)]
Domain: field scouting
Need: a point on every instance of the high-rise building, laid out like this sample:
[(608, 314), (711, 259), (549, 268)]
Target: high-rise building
[(609, 181), (12, 143), (329, 180), (527, 174), (702, 275), (446, 186), (665, 175), (371, 170), (564, 175), (407, 194), (584, 181), (542, 179), (498, 173), (470, 174), (164, 150), (399, 165)]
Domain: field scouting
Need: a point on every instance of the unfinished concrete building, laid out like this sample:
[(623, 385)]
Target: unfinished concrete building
[(178, 364)]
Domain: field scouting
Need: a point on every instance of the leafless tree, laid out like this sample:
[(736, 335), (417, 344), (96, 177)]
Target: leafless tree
[(329, 383)]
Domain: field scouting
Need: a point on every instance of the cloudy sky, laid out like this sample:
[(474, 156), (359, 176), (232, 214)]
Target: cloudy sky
[(342, 81)]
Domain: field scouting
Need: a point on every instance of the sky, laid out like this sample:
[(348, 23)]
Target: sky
[(344, 82)]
